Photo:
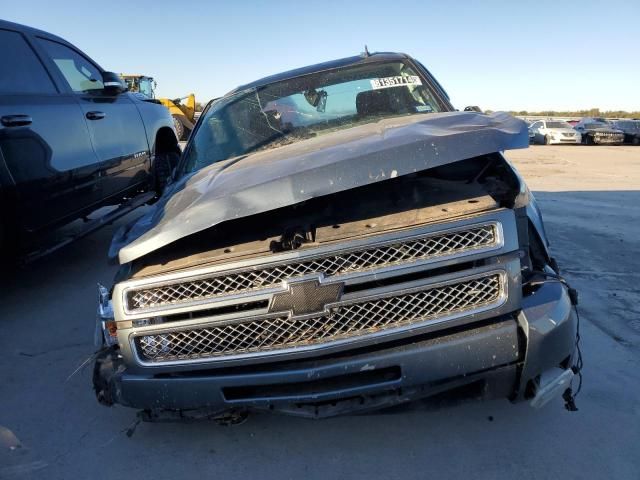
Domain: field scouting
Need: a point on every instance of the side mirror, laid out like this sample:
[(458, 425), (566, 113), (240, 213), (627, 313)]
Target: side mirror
[(113, 84)]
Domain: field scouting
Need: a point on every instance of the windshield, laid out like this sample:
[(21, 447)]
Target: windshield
[(146, 87), (304, 107), (143, 85), (628, 125), (597, 125), (558, 125)]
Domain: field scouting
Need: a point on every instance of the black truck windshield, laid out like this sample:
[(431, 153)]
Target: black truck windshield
[(304, 107)]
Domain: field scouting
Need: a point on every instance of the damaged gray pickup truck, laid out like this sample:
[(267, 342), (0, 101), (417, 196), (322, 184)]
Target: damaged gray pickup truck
[(336, 239)]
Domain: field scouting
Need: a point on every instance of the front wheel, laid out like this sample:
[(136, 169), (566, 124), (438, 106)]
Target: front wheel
[(8, 245), (163, 166), (589, 140), (636, 140)]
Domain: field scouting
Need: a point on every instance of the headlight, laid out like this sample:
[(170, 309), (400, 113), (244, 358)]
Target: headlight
[(106, 332)]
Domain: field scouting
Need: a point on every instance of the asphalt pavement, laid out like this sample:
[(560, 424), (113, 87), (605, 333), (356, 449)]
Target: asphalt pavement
[(51, 427)]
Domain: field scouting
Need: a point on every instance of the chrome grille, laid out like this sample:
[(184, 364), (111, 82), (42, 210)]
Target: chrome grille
[(394, 253), (342, 321)]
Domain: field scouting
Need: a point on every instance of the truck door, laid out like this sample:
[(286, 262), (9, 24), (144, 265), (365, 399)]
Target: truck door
[(117, 132), (46, 157)]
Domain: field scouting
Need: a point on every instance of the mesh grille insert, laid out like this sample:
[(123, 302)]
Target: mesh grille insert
[(394, 253), (344, 321)]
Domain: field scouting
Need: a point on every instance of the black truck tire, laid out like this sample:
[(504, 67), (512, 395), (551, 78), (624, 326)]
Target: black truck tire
[(163, 166), (8, 244), (2, 241)]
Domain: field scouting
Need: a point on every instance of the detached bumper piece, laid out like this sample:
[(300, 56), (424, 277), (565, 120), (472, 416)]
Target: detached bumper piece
[(552, 384)]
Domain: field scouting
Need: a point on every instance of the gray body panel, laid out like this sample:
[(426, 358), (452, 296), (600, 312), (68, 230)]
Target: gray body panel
[(331, 163)]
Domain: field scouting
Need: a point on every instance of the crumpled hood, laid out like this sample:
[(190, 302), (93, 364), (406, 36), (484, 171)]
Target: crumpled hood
[(323, 165)]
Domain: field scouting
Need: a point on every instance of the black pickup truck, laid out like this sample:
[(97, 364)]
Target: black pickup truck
[(72, 139)]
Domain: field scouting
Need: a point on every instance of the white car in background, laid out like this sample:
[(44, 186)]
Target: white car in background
[(553, 132)]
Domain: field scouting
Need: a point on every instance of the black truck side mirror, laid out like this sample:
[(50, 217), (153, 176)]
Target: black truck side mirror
[(113, 84)]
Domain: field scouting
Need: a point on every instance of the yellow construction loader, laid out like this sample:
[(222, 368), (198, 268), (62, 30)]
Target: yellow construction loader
[(183, 113)]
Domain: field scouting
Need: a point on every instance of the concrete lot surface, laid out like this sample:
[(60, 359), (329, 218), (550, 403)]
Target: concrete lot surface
[(52, 428)]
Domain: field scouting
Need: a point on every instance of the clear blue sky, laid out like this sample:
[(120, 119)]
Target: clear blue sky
[(508, 55)]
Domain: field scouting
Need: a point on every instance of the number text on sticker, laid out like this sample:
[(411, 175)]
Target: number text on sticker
[(398, 81)]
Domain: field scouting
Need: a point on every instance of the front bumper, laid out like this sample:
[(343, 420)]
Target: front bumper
[(608, 140), (561, 140), (506, 355)]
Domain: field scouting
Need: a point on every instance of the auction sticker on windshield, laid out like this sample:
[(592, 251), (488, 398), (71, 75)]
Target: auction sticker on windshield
[(398, 81)]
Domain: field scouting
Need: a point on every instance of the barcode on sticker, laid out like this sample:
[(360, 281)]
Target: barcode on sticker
[(398, 81)]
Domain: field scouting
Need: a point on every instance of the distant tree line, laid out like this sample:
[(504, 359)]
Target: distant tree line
[(592, 112)]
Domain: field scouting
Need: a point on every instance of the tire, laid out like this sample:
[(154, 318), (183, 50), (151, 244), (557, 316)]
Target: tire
[(547, 140), (180, 130), (635, 140), (8, 247), (163, 166), (589, 140), (2, 241)]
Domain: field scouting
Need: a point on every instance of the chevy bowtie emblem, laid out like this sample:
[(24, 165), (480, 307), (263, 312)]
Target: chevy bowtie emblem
[(306, 296)]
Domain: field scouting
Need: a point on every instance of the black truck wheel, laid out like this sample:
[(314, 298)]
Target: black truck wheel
[(8, 244), (163, 166), (2, 242)]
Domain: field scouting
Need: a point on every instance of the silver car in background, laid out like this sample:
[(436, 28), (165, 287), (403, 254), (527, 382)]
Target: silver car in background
[(551, 132)]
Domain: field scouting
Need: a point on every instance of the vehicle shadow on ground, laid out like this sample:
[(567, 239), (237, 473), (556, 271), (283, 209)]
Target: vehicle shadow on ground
[(47, 314)]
